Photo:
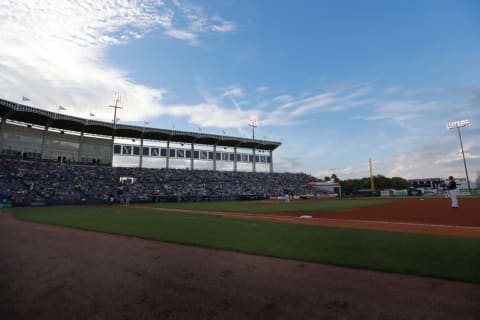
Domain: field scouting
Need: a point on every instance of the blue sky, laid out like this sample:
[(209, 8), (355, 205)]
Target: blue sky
[(337, 82)]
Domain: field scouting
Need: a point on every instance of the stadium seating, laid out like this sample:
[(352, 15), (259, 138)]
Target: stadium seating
[(36, 182)]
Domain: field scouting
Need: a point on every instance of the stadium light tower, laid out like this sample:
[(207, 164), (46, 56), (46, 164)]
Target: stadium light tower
[(457, 125)]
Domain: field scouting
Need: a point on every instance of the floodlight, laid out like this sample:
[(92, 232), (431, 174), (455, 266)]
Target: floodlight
[(458, 124)]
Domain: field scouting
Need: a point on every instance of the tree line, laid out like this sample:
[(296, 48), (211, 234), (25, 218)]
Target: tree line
[(380, 182)]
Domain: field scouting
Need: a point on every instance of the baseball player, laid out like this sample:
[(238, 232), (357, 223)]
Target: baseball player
[(452, 191)]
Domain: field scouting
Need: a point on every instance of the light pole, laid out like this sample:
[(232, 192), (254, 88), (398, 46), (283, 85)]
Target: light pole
[(457, 125)]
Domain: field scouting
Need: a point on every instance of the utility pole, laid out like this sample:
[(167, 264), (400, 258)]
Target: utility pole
[(253, 124), (372, 183), (115, 106)]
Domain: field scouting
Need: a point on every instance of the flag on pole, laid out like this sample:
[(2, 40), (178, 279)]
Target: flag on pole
[(25, 99), (92, 115), (61, 108)]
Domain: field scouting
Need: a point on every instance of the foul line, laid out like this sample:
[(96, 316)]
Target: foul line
[(318, 219), (401, 223)]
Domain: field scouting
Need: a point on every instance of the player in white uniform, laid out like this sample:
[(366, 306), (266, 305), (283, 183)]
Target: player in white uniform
[(452, 191)]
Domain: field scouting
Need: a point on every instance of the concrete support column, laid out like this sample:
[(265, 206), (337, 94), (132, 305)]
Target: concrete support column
[(2, 129), (140, 162), (254, 168), (234, 159), (191, 158), (271, 161), (113, 147), (214, 157), (168, 155), (44, 137), (80, 148)]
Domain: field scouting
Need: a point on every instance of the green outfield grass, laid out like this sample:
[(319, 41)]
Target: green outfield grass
[(425, 255), (267, 206)]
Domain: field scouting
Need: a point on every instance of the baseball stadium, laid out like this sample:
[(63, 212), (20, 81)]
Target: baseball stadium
[(84, 237)]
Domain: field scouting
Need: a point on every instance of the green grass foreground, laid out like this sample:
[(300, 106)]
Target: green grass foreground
[(267, 206), (425, 255)]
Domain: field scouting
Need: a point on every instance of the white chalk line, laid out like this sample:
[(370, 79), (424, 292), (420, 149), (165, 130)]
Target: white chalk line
[(358, 221), (402, 223)]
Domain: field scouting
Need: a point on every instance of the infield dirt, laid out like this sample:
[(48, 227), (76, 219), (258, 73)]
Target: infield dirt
[(413, 215)]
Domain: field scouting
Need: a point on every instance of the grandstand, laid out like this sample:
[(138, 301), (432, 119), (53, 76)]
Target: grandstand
[(42, 182), (33, 133), (49, 158)]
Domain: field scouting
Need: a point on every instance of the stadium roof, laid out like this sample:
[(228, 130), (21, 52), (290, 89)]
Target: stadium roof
[(30, 115)]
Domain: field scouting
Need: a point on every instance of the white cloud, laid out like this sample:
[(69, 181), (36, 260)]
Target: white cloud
[(421, 161), (233, 91), (53, 51), (199, 22), (221, 25), (181, 35), (287, 164), (263, 89), (334, 100), (391, 90), (288, 110), (212, 115), (315, 102), (402, 110)]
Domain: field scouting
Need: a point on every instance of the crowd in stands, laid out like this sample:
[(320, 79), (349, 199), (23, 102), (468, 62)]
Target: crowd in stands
[(34, 182)]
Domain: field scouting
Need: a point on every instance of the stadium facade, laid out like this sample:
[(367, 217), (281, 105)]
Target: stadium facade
[(33, 133)]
